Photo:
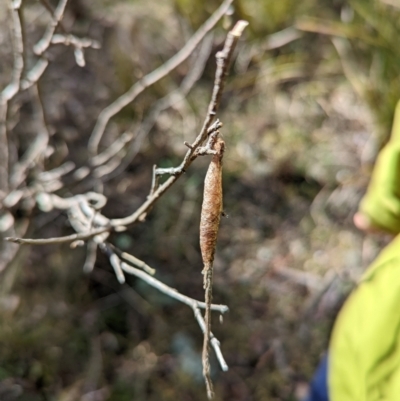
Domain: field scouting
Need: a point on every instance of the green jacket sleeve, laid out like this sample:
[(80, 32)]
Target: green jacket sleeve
[(382, 201), (364, 353)]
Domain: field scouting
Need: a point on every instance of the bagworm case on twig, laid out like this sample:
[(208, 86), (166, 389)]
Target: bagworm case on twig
[(209, 224), (212, 206)]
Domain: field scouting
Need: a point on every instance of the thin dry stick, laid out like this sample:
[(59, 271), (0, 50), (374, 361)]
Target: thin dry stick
[(168, 101), (213, 340), (223, 61), (11, 89), (48, 38), (90, 260), (33, 75), (209, 224), (38, 146), (171, 292), (194, 304), (44, 43), (18, 46), (153, 77), (59, 240)]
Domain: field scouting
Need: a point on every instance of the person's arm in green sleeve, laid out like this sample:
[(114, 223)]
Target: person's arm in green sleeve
[(364, 351), (380, 208)]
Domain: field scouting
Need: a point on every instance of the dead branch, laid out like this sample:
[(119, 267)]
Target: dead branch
[(120, 266), (57, 16), (194, 304), (83, 210), (50, 37), (10, 90), (18, 49), (37, 149), (223, 61), (161, 105)]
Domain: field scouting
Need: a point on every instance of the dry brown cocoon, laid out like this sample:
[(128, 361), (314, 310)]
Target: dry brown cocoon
[(212, 206), (209, 224)]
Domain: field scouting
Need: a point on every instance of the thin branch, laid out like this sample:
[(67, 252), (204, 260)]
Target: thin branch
[(33, 75), (155, 183), (90, 260), (213, 340), (72, 40), (194, 304), (117, 264), (162, 104), (78, 43), (138, 263), (153, 77), (223, 61), (49, 37), (59, 240), (171, 292), (37, 147), (133, 260), (194, 151), (57, 172), (112, 150), (11, 89), (44, 43)]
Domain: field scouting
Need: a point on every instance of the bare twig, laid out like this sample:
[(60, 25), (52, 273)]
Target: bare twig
[(34, 74), (139, 263), (164, 103), (37, 147), (153, 77), (78, 43), (133, 260), (173, 293), (90, 256), (58, 240), (223, 61), (72, 40), (49, 37), (282, 38), (213, 340), (44, 43), (11, 89), (195, 150), (57, 172), (112, 150), (116, 264)]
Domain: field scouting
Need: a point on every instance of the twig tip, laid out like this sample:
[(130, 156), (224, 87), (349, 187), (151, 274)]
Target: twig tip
[(239, 27), (12, 239)]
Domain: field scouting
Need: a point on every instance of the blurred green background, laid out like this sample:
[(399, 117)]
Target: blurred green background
[(308, 104)]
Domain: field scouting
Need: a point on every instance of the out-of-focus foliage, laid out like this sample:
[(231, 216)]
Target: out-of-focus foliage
[(304, 115)]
